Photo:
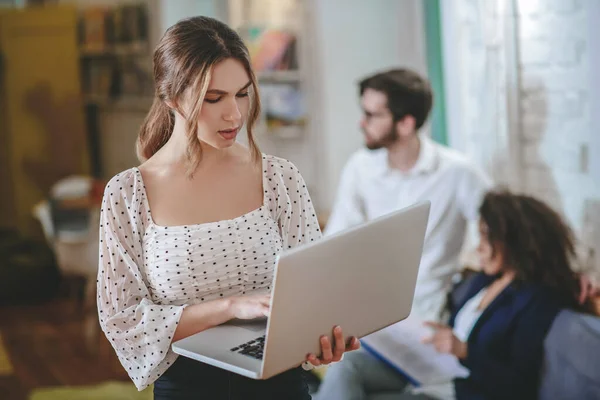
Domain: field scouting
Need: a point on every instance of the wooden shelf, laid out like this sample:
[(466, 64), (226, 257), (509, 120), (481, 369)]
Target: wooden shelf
[(287, 132), (138, 103), (279, 76), (291, 138), (133, 49)]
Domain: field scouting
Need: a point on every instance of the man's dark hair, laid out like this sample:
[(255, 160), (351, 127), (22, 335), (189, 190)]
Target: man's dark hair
[(407, 93)]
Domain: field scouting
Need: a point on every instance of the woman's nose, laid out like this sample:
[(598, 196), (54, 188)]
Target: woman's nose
[(233, 112)]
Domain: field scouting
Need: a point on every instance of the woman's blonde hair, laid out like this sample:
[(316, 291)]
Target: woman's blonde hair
[(184, 59)]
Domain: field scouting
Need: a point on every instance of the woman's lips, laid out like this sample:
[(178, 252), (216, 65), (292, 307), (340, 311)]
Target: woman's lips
[(229, 133)]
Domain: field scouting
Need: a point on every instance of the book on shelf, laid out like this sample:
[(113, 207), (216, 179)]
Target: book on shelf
[(274, 50), (99, 80), (94, 28), (284, 109), (118, 30)]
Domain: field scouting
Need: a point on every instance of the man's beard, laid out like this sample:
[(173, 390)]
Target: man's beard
[(386, 140)]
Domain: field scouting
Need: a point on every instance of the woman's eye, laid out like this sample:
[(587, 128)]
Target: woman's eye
[(242, 94), (212, 100)]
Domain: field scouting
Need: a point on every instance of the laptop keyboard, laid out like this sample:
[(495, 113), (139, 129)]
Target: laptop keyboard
[(253, 348)]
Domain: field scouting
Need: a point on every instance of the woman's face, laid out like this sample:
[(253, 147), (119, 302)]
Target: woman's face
[(492, 263), (225, 106)]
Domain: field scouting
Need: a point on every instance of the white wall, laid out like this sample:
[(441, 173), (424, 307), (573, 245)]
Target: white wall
[(355, 38), (172, 11)]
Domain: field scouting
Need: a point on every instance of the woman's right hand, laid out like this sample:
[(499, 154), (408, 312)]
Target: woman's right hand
[(249, 307), (198, 317)]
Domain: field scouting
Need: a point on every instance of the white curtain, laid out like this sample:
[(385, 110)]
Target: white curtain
[(480, 45)]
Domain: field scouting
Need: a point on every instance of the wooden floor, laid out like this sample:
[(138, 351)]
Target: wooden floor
[(47, 346)]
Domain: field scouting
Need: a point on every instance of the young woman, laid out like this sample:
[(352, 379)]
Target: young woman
[(498, 329), (189, 239)]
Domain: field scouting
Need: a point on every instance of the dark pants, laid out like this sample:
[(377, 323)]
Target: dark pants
[(188, 379)]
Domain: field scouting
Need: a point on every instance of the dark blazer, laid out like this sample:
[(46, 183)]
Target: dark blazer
[(506, 345)]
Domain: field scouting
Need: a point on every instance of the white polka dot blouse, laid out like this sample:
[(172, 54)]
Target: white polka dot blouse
[(149, 273)]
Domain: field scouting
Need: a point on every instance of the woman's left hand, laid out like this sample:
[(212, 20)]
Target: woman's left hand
[(445, 341), (333, 353)]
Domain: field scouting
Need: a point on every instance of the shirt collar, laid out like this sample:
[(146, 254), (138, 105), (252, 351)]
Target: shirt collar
[(426, 161)]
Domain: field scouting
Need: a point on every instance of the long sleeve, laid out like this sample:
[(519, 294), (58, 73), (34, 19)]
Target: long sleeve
[(139, 330), (348, 209), (515, 375), (293, 207)]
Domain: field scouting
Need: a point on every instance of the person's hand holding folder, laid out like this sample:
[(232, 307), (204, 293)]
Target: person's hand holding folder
[(402, 347), (445, 341)]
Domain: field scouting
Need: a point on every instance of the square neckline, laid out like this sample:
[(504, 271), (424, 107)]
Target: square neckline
[(246, 215)]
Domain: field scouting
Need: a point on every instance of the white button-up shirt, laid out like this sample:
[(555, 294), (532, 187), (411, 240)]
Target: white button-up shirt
[(370, 188)]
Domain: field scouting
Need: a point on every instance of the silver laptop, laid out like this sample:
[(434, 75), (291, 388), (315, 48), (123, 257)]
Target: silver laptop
[(362, 279)]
